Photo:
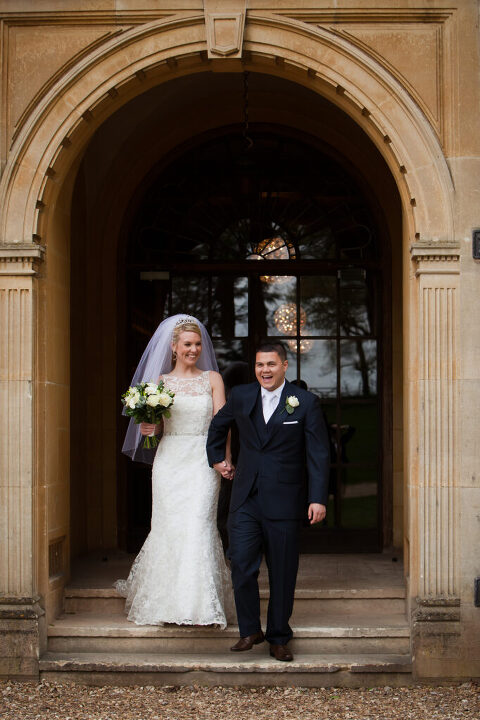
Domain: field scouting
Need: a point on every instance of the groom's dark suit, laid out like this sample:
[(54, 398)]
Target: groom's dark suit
[(283, 466)]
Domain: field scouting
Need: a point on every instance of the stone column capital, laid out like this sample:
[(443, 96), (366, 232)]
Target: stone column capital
[(16, 259), (436, 257)]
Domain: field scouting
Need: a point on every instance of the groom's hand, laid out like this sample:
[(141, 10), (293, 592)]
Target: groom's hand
[(226, 469), (316, 513)]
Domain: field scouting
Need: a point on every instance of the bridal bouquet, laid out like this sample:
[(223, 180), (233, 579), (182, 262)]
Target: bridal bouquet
[(148, 402)]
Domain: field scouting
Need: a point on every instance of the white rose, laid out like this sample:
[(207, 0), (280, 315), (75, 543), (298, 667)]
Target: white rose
[(293, 401), (165, 399), (151, 389), (153, 400)]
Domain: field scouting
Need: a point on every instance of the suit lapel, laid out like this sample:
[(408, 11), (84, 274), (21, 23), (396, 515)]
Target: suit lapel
[(251, 397)]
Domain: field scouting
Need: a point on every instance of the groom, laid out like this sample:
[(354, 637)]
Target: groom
[(281, 475)]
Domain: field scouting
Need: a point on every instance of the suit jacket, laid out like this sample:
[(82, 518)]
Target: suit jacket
[(288, 460)]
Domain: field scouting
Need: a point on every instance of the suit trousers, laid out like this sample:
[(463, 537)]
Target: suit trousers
[(250, 535)]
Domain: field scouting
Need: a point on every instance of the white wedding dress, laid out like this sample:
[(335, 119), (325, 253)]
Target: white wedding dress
[(180, 575)]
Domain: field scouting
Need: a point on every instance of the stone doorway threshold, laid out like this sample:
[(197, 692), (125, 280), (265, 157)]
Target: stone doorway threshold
[(349, 622), (357, 574)]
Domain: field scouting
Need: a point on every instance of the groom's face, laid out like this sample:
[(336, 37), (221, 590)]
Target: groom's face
[(270, 370)]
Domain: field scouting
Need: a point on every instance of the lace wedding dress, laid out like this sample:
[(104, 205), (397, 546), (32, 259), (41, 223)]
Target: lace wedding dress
[(179, 575)]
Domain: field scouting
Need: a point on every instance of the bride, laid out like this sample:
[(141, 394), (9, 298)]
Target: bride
[(180, 575)]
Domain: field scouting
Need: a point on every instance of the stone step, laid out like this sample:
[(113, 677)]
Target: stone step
[(115, 634), (310, 603), (314, 670)]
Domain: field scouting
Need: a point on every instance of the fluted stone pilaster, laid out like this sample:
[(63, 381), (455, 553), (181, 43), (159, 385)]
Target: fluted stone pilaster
[(437, 270), (19, 609)]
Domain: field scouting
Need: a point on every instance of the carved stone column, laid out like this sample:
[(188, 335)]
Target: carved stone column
[(433, 468), (20, 613)]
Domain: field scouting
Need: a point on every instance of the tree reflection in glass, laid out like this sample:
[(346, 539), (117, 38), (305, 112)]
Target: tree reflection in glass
[(358, 368)]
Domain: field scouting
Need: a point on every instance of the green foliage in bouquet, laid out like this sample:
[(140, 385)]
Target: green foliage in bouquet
[(148, 402)]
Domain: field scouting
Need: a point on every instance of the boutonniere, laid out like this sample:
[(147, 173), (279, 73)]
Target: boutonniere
[(291, 403)]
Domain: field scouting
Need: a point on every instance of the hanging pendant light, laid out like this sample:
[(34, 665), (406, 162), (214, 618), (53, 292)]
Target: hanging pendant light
[(304, 345), (287, 319)]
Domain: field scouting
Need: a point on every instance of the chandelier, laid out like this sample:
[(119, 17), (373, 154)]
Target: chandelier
[(273, 249), (286, 320), (304, 345)]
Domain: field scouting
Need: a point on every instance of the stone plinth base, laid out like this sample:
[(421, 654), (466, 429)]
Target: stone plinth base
[(437, 642), (22, 632)]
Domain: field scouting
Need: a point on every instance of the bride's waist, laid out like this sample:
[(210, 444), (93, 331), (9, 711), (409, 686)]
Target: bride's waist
[(185, 433)]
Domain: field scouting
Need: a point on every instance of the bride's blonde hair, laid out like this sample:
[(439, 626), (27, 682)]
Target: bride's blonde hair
[(181, 327)]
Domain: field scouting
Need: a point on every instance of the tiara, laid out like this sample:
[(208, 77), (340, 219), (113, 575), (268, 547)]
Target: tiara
[(186, 320)]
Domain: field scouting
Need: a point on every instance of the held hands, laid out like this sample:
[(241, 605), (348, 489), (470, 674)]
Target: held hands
[(226, 469), (149, 429), (316, 513)]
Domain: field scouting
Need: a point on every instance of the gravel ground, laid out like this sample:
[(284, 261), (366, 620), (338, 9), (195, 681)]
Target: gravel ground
[(25, 701)]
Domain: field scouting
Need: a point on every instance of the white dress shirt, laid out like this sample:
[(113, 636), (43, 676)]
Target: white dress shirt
[(270, 400)]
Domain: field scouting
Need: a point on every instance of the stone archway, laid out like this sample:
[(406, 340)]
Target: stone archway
[(95, 245), (35, 199), (127, 65)]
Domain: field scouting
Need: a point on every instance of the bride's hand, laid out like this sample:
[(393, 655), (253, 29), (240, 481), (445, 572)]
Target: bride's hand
[(150, 429), (226, 469)]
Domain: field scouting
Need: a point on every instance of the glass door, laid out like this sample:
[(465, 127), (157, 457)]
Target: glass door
[(328, 325), (277, 242)]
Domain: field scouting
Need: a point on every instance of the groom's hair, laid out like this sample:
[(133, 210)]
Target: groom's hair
[(268, 346)]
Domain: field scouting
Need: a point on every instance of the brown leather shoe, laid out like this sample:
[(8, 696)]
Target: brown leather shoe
[(246, 643), (281, 652)]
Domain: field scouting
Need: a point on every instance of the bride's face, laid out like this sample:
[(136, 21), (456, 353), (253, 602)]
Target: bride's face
[(188, 348)]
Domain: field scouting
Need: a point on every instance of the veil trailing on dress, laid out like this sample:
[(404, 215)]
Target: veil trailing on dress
[(156, 361)]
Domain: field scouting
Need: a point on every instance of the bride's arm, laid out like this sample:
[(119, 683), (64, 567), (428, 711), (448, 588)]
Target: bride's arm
[(218, 397), (218, 391)]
